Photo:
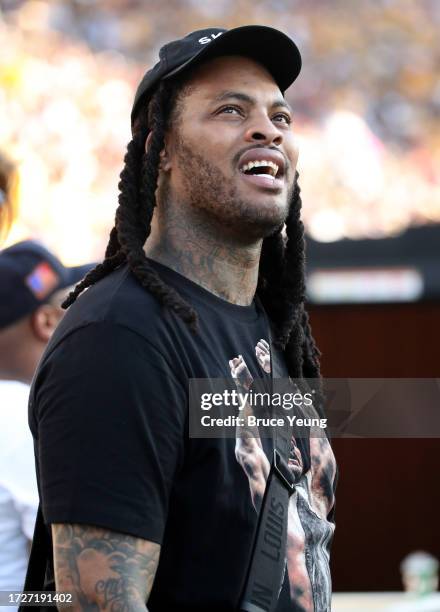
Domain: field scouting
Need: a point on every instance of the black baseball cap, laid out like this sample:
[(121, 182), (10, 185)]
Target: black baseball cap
[(269, 47), (29, 276)]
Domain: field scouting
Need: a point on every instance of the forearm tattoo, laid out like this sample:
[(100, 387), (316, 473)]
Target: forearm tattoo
[(105, 570)]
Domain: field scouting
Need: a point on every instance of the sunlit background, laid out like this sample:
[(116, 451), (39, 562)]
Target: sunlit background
[(367, 108)]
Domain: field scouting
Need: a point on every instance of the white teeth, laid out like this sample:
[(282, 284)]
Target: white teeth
[(258, 164)]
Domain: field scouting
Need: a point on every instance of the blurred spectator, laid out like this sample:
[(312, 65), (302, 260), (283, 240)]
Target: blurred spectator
[(8, 194), (18, 488), (33, 282)]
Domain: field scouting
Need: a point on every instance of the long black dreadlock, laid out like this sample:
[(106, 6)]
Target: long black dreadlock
[(281, 283), (137, 187)]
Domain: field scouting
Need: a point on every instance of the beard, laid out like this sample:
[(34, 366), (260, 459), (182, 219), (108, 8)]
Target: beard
[(210, 192)]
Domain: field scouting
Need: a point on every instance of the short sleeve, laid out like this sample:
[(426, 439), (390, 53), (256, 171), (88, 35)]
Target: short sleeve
[(110, 424)]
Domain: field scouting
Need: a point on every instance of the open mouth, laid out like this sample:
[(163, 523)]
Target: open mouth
[(263, 168)]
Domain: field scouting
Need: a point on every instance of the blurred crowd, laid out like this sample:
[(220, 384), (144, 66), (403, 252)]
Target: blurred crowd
[(367, 108)]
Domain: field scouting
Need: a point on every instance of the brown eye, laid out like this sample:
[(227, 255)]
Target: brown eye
[(230, 110), (282, 118)]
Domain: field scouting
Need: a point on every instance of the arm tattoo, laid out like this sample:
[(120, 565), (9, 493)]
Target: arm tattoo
[(105, 570)]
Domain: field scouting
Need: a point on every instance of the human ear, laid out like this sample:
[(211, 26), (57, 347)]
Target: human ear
[(164, 163), (45, 320)]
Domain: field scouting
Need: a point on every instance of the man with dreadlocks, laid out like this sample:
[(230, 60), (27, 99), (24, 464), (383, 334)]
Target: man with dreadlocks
[(197, 269)]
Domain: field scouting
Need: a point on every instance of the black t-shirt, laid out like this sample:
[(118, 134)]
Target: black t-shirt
[(109, 414)]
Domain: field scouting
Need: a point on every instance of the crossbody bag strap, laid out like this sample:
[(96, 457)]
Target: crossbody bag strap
[(268, 558)]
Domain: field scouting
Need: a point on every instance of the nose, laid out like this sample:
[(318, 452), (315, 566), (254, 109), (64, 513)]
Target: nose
[(263, 131)]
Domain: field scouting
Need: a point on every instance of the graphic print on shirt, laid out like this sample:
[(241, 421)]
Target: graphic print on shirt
[(309, 531)]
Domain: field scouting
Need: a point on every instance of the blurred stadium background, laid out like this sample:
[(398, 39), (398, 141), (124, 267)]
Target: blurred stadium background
[(367, 110)]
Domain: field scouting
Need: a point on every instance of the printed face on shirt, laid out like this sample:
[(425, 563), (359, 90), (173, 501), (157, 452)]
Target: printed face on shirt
[(231, 155), (309, 530)]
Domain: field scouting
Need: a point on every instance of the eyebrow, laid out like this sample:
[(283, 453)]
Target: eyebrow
[(238, 95)]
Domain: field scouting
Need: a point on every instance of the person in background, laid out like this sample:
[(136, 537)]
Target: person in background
[(8, 195), (33, 283)]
